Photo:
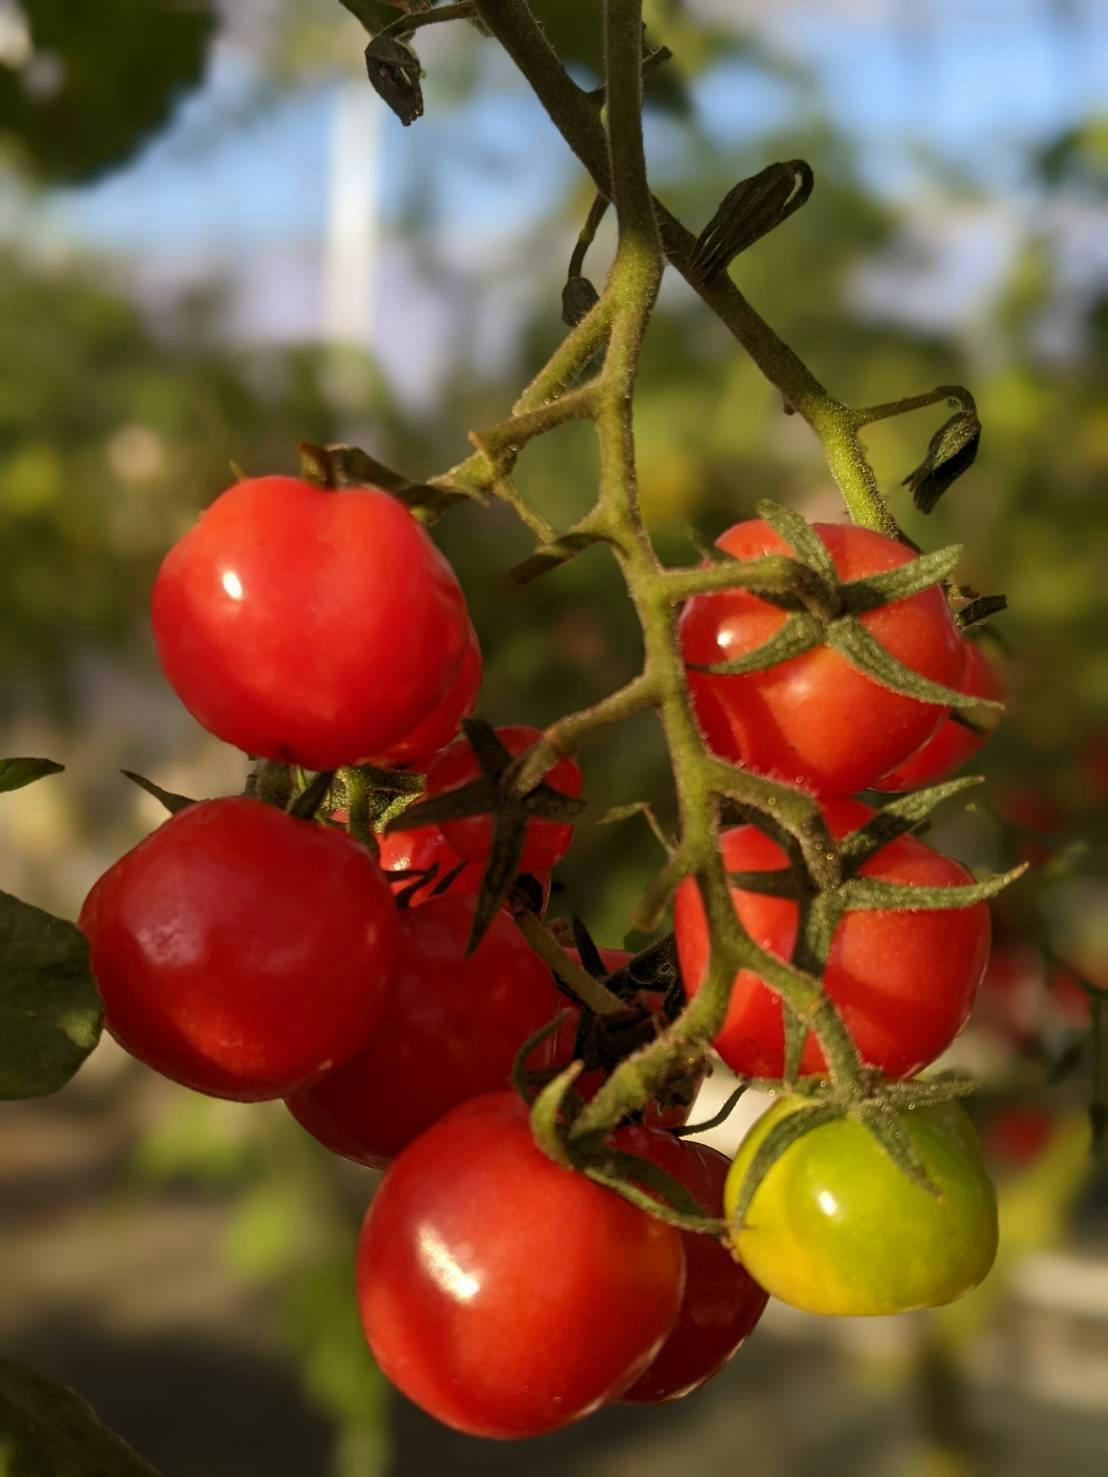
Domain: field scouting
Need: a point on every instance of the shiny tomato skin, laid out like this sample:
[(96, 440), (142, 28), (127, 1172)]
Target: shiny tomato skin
[(505, 1295), (815, 721), (242, 952), (952, 744), (904, 981), (836, 1228), (722, 1302), (309, 626), (419, 747), (449, 1030), (418, 850), (547, 841)]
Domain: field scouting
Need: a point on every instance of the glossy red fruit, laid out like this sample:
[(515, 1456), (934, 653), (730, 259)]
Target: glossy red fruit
[(450, 1030), (504, 1294), (419, 850), (953, 743), (308, 626), (675, 1110), (420, 746), (722, 1302), (904, 981), (815, 720), (547, 841), (242, 952)]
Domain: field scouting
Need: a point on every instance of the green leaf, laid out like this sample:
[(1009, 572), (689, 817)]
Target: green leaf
[(173, 803), (865, 653), (509, 835), (50, 1011), (489, 749), (952, 451), (654, 1190), (897, 584), (868, 893), (373, 14), (980, 609), (303, 807), (47, 1430), (550, 556), (799, 633), (552, 805), (800, 536), (579, 297), (394, 72), (781, 1137), (898, 817), (749, 211), (781, 882), (520, 1077), (122, 66), (883, 1123), (15, 773), (478, 797)]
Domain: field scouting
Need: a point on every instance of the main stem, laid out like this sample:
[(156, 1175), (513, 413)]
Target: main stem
[(633, 287)]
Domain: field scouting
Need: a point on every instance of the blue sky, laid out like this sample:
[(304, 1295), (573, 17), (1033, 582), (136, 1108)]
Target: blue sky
[(972, 82), (968, 81)]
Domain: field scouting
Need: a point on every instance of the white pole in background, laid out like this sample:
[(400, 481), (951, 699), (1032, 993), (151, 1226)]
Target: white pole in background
[(352, 238)]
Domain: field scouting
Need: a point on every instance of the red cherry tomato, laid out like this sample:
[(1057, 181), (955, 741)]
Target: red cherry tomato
[(952, 744), (904, 981), (1029, 808), (441, 725), (1021, 1001), (722, 1302), (450, 1029), (547, 841), (504, 1294), (419, 850), (673, 1113), (242, 952), (307, 626), (815, 720), (1016, 1135)]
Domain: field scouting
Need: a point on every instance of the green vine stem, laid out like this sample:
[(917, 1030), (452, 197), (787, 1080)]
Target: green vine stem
[(609, 144), (699, 778), (589, 991)]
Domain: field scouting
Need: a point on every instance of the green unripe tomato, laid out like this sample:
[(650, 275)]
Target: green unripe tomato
[(835, 1227)]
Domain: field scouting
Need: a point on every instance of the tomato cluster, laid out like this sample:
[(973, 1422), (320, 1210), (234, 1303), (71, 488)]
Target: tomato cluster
[(252, 951)]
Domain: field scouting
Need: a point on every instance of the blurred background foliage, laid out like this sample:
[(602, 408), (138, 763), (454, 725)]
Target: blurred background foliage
[(141, 357)]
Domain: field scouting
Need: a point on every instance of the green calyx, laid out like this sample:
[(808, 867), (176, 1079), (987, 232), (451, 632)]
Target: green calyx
[(493, 793), (877, 1110), (831, 611), (644, 1184), (822, 909)]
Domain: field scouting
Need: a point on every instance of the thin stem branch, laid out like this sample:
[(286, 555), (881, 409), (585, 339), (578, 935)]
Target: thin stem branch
[(404, 25), (867, 414), (576, 118), (588, 990), (563, 737)]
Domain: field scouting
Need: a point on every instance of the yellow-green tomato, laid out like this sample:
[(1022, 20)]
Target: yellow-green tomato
[(834, 1227)]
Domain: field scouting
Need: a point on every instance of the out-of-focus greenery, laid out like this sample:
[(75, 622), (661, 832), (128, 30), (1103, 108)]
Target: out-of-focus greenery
[(114, 431), (117, 424), (101, 77)]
